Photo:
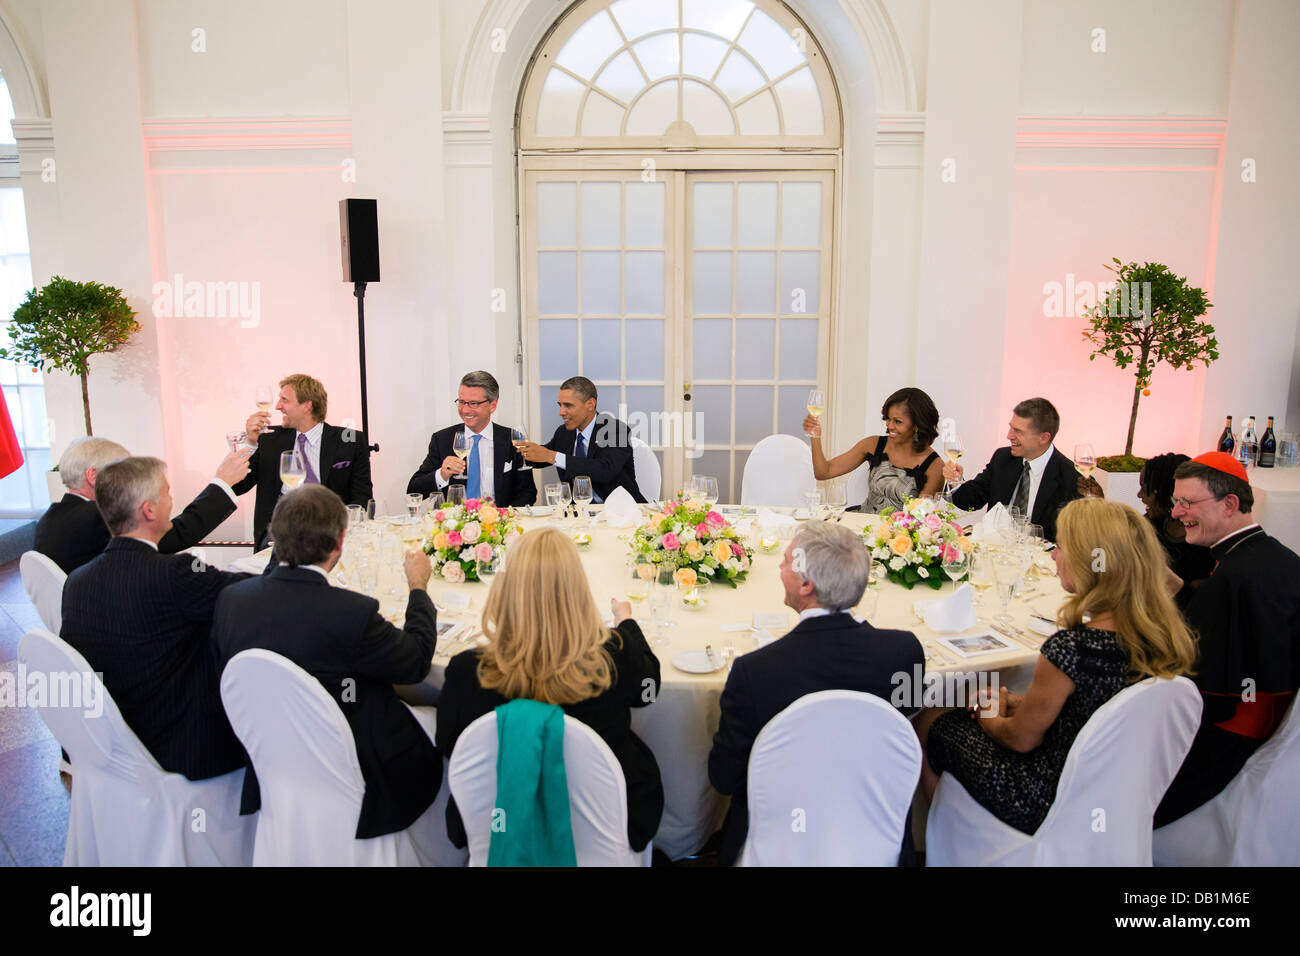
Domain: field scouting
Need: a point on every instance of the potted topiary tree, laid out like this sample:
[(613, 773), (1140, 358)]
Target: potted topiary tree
[(1149, 317)]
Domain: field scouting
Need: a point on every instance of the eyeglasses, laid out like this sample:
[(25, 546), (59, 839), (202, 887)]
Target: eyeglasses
[(1188, 502), (461, 403)]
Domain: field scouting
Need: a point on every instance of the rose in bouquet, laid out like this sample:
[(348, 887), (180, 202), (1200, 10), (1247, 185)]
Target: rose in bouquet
[(466, 534), (695, 541), (914, 542)]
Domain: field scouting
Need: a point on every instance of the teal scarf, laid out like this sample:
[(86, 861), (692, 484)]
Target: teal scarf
[(530, 822)]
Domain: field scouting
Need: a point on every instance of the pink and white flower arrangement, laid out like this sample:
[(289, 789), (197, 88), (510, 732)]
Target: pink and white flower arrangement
[(465, 534), (688, 534), (913, 542)]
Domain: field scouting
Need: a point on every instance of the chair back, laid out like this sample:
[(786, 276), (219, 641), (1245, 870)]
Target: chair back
[(597, 793), (43, 581), (649, 477), (777, 473), (859, 485), (831, 780)]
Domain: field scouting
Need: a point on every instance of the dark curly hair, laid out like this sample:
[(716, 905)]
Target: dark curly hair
[(922, 411), (1158, 478)]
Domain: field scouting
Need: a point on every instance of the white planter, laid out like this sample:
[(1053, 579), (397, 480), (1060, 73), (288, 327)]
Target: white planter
[(1122, 486), (56, 486)]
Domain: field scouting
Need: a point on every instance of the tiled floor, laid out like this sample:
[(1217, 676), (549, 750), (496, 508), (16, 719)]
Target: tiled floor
[(33, 797)]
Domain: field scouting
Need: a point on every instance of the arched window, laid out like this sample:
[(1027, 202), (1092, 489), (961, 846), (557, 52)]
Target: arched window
[(679, 162)]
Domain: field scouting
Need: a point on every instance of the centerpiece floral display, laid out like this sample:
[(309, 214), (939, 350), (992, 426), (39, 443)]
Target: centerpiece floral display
[(696, 541), (466, 534), (914, 542)]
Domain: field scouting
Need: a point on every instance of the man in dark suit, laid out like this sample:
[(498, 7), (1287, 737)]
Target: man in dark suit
[(1030, 474), (493, 468), (337, 458), (596, 445), (71, 531), (339, 637), (142, 620), (824, 573)]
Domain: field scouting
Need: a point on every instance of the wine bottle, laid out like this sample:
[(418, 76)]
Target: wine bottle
[(1268, 446), (1248, 449), (1227, 441)]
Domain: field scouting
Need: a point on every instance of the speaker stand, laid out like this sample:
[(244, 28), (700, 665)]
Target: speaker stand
[(359, 290)]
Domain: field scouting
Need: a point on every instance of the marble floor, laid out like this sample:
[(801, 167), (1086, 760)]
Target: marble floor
[(33, 796)]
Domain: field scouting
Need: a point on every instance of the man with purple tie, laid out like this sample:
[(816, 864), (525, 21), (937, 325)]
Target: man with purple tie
[(338, 458)]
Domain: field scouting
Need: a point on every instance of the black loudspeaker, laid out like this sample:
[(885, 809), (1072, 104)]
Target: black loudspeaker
[(359, 236)]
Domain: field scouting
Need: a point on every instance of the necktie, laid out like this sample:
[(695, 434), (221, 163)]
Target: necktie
[(472, 478), (311, 478), (579, 447), (1021, 500)]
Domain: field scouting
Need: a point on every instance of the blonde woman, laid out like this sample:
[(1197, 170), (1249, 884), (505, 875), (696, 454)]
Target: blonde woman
[(548, 644), (1119, 626)]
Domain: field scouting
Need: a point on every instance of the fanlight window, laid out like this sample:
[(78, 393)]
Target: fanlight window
[(680, 73)]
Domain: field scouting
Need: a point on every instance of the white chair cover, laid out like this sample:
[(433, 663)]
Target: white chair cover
[(43, 581), (649, 478), (1254, 821), (310, 779), (831, 780), (1117, 771), (859, 485), (778, 472), (597, 794), (126, 810)]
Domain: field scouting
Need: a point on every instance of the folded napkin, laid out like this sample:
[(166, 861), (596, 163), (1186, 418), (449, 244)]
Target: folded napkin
[(949, 615), (532, 790), (770, 523), (996, 526), (620, 510)]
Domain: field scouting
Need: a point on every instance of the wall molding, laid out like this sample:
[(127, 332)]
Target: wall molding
[(900, 138), (466, 139), (1120, 143)]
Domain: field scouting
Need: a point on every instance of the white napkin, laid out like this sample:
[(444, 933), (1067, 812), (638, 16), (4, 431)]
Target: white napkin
[(620, 510), (952, 614), (995, 527), (770, 523)]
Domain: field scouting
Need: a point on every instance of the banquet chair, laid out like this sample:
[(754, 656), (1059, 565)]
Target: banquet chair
[(1116, 773), (1254, 821), (778, 472), (597, 794), (649, 478), (831, 780), (859, 485), (126, 810), (305, 756), (43, 581)]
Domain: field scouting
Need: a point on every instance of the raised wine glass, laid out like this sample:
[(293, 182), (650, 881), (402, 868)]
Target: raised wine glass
[(1084, 460), (816, 403), (952, 450), (461, 445), (517, 437), (264, 398), (293, 472)]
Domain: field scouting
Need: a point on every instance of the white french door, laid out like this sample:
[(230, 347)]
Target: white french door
[(698, 302)]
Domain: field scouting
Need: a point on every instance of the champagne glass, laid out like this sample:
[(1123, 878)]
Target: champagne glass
[(292, 470), (517, 437), (582, 494), (952, 450), (1084, 460), (817, 403)]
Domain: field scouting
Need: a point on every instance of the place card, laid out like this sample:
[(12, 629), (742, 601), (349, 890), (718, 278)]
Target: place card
[(776, 620), (977, 645)]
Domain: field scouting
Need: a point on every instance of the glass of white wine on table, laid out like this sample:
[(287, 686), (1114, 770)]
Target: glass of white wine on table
[(582, 495)]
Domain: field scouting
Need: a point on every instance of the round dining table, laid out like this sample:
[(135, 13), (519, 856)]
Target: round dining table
[(680, 723)]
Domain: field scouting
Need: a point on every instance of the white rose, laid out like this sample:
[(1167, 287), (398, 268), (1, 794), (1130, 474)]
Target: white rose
[(453, 573), (471, 532), (896, 563), (449, 525), (686, 535), (923, 572), (467, 554)]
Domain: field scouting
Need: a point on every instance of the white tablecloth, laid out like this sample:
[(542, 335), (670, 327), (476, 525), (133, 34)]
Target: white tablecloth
[(679, 726), (1277, 503)]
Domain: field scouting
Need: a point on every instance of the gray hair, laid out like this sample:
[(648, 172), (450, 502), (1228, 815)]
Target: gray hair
[(84, 454), (483, 380), (123, 486), (836, 562)]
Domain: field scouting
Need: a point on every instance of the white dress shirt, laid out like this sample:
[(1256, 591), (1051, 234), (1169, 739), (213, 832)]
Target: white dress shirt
[(561, 459), (809, 613), (1036, 468), (486, 472)]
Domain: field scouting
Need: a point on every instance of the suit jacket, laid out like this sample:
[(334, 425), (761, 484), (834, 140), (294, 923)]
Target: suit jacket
[(608, 461), (344, 470), (72, 531), (636, 684), (997, 483), (143, 620), (337, 635), (512, 480), (833, 652)]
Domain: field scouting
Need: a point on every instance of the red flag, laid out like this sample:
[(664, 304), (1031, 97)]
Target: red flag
[(11, 455)]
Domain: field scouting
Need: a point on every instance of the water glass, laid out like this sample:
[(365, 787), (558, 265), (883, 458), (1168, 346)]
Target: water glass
[(413, 504), (355, 516)]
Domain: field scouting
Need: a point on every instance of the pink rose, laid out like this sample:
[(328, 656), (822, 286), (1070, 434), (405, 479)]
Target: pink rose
[(483, 552), (702, 530), (472, 504), (454, 539), (737, 550), (955, 526), (453, 573), (716, 519), (948, 553), (670, 542), (933, 522), (441, 516)]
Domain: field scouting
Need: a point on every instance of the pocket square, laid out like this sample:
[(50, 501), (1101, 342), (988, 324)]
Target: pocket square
[(508, 466), (340, 464)]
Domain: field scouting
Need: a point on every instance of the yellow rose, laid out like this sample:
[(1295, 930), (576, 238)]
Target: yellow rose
[(966, 544), (685, 577), (488, 514), (488, 531), (901, 545), (694, 550), (440, 540), (883, 532), (722, 552)]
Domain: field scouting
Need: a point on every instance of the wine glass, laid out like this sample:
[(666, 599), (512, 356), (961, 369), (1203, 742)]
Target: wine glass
[(706, 489), (461, 445), (565, 497), (234, 440), (487, 568), (582, 494), (814, 501), (264, 398), (956, 567), (517, 437), (817, 403), (1007, 571), (355, 516), (1084, 460), (552, 491), (837, 499), (390, 556), (661, 601), (981, 572), (952, 450), (292, 470), (413, 504), (455, 495), (640, 577), (435, 501)]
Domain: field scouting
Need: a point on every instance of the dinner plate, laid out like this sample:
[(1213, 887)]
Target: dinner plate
[(697, 662), (801, 514), (1042, 627), (539, 511)]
